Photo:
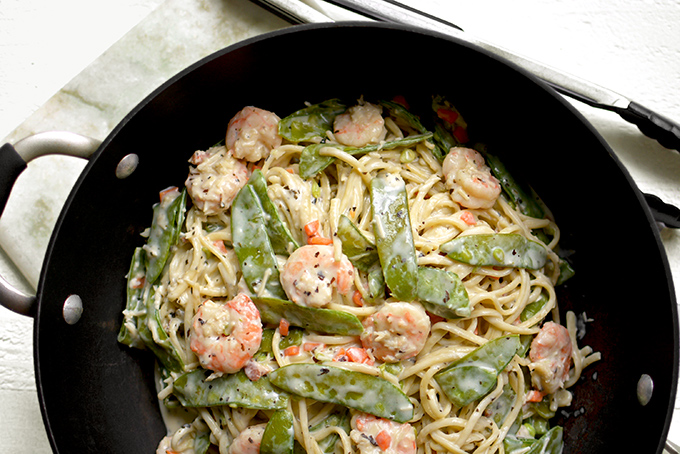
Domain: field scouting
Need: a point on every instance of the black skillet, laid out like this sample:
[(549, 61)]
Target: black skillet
[(98, 396)]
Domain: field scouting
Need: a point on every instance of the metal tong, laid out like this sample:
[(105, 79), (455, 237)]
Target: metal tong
[(652, 124)]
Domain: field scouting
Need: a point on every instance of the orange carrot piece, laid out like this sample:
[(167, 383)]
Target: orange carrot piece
[(384, 440), (283, 327), (319, 240), (293, 350), (312, 228), (534, 396)]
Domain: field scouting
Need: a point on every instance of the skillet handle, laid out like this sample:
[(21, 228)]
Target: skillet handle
[(14, 160)]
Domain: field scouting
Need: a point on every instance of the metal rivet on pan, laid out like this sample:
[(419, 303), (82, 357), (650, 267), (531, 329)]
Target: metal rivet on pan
[(127, 165), (645, 388), (73, 309)]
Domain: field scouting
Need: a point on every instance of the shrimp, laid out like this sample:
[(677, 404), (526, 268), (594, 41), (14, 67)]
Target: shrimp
[(550, 354), (470, 179), (253, 133), (225, 336), (396, 331), (248, 441), (360, 125), (311, 273), (378, 435), (216, 180)]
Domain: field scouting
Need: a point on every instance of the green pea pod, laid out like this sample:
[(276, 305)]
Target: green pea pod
[(327, 444), (497, 249), (202, 442), (311, 161), (135, 307), (234, 390), (376, 284), (168, 218), (341, 419), (294, 338), (358, 249), (252, 245), (279, 235), (265, 344), (534, 308), (518, 445), (566, 272), (364, 255), (393, 235), (474, 375), (403, 117), (527, 205), (328, 321), (500, 408), (442, 293), (352, 389), (550, 443), (156, 339), (310, 122), (279, 434), (443, 141)]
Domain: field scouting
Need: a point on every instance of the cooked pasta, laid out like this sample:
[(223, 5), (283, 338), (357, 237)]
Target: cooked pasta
[(344, 281)]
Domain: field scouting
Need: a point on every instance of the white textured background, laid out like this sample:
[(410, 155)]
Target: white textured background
[(631, 46)]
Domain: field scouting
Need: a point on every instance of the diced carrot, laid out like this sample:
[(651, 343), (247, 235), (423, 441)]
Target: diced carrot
[(165, 192), (357, 298), (460, 134), (309, 346), (358, 355), (289, 170), (534, 396), (319, 240), (399, 99), (312, 227), (283, 327), (220, 246), (292, 350), (468, 217), (341, 355), (447, 115), (383, 439)]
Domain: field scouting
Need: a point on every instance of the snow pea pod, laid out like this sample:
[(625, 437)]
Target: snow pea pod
[(252, 245), (393, 235), (500, 408), (310, 122), (279, 434), (327, 444), (155, 338), (279, 235), (358, 249), (329, 321), (135, 306), (235, 390), (534, 308), (550, 443), (497, 249), (442, 293), (364, 255), (474, 375), (168, 218), (311, 161), (352, 389), (403, 117)]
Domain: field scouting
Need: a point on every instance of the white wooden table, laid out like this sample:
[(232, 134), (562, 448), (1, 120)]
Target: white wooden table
[(630, 46)]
